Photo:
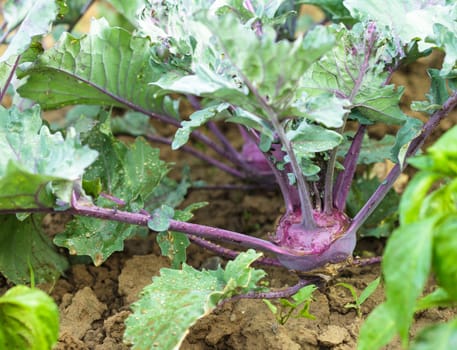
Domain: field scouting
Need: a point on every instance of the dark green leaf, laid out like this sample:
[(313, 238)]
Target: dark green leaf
[(25, 249)]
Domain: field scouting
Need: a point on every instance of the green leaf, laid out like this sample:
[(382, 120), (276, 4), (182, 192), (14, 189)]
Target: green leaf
[(444, 37), (24, 246), (406, 20), (29, 319), (37, 166), (445, 252), (438, 93), (178, 298), (439, 337), (366, 293), (381, 104), (34, 17), (384, 219), (129, 9), (377, 330), (334, 9), (406, 264), (173, 245), (438, 298), (372, 151), (304, 294), (108, 66), (132, 123), (324, 109), (410, 130), (414, 195), (310, 138), (160, 218), (130, 173), (197, 119)]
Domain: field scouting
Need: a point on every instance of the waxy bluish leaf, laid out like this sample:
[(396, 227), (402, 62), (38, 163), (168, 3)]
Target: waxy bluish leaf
[(197, 119), (29, 319), (108, 66), (130, 173), (178, 298), (36, 166), (406, 20), (33, 17), (25, 249)]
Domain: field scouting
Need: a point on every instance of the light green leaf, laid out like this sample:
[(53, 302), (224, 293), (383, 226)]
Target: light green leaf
[(438, 337), (324, 109), (36, 17), (24, 246), (160, 218), (129, 9), (197, 119), (406, 265), (132, 123), (406, 20), (381, 104), (108, 66), (32, 158), (377, 330), (410, 130), (178, 298), (368, 290), (173, 245), (445, 252), (310, 138), (414, 195), (29, 319), (438, 298)]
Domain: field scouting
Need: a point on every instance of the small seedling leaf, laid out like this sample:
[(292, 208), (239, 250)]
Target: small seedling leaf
[(366, 293)]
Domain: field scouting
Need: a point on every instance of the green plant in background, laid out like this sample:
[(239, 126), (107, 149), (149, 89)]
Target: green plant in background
[(360, 299), (424, 244), (300, 303), (29, 319)]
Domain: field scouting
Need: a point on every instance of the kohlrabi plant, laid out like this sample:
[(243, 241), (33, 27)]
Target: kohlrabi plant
[(302, 95)]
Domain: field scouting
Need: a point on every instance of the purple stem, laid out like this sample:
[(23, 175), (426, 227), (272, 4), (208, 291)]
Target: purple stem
[(10, 77), (329, 192), (283, 293), (414, 146), (229, 253), (113, 199), (191, 150), (232, 153), (142, 219), (344, 180)]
